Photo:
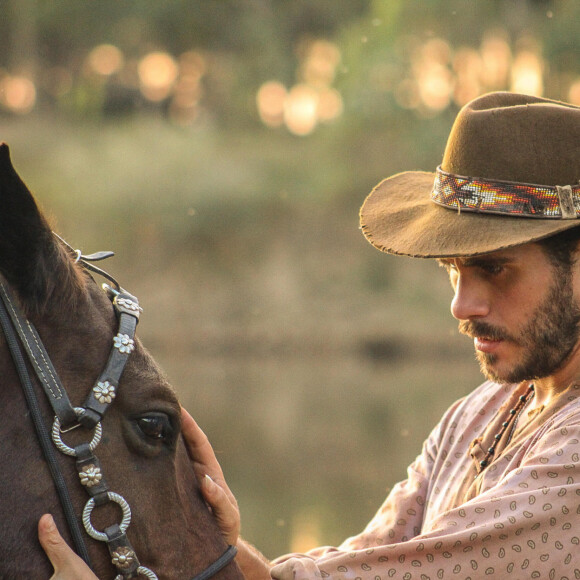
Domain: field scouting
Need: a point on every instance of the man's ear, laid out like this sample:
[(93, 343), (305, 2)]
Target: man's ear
[(27, 247)]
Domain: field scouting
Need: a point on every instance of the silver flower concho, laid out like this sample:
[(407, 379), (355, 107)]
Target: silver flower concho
[(124, 343), (123, 557), (128, 304), (90, 475), (104, 392)]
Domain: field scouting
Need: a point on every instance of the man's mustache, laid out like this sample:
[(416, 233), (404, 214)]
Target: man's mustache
[(473, 328)]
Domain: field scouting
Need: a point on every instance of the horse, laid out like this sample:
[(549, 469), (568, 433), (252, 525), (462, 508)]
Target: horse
[(139, 466)]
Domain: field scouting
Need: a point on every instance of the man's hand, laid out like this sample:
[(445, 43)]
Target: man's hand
[(67, 565), (214, 488), (221, 500)]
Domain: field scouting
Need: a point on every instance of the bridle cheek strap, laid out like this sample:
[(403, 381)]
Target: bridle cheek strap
[(39, 359), (9, 327)]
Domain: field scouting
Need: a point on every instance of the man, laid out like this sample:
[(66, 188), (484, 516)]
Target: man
[(496, 489)]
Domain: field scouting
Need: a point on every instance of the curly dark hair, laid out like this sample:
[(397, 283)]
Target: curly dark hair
[(561, 248)]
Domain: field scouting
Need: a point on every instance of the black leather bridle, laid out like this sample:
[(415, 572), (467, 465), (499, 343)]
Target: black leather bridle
[(24, 343)]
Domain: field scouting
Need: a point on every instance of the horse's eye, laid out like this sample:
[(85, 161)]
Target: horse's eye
[(155, 426)]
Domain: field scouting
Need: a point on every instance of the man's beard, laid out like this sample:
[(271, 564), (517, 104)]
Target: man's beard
[(547, 339)]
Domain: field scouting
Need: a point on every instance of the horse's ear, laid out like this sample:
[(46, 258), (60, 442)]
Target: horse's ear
[(27, 246)]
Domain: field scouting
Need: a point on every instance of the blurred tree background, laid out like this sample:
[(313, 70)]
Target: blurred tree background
[(222, 148)]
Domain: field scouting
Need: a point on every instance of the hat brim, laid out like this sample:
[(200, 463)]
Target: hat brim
[(398, 217)]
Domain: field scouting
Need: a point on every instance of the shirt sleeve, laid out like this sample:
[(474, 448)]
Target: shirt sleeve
[(526, 524)]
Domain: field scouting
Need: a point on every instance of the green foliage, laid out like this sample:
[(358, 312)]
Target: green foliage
[(264, 28)]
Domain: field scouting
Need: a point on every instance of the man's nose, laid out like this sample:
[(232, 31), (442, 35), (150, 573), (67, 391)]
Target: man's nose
[(470, 300)]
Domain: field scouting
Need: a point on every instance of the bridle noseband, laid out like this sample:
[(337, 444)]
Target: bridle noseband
[(24, 343)]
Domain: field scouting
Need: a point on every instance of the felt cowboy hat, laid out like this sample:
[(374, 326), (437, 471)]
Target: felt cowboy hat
[(510, 175)]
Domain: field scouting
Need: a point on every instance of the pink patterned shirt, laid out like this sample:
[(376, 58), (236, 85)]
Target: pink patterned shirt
[(450, 519)]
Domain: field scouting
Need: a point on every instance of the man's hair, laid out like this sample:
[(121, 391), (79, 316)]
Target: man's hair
[(561, 248)]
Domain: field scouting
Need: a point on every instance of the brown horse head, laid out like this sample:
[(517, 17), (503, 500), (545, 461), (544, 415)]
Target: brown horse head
[(142, 455)]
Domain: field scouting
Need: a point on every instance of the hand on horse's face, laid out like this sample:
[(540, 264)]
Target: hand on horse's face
[(67, 565), (214, 488)]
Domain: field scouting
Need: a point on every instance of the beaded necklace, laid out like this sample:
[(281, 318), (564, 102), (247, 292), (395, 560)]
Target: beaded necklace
[(510, 420)]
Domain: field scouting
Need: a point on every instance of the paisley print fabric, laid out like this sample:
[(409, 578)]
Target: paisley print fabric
[(451, 520)]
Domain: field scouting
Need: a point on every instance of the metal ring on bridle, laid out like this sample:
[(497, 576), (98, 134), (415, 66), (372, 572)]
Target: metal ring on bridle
[(142, 571), (88, 510), (57, 439)]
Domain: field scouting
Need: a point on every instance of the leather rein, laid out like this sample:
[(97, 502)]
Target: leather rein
[(25, 343)]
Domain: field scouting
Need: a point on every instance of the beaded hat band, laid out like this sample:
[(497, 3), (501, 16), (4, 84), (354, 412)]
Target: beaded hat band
[(500, 147), (506, 197)]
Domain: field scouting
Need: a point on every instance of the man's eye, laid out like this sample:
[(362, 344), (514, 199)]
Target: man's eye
[(155, 426), (492, 269)]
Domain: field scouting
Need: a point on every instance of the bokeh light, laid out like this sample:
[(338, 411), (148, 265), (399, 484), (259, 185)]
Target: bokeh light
[(301, 109), (330, 105), (188, 90), (157, 73), (18, 94), (527, 74), (312, 100), (425, 74), (435, 83), (496, 58), (270, 100), (320, 62), (574, 93), (467, 65), (430, 65), (442, 74), (105, 59)]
